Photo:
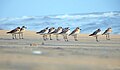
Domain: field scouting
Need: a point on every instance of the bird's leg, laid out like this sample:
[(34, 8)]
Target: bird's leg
[(57, 37), (15, 36), (66, 38), (19, 36), (22, 35), (75, 37), (108, 36), (97, 39), (50, 37), (44, 38), (12, 36)]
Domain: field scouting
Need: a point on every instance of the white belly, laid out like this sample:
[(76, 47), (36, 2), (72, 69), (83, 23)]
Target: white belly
[(59, 31), (52, 31), (22, 30), (99, 33), (68, 32), (46, 32), (17, 31)]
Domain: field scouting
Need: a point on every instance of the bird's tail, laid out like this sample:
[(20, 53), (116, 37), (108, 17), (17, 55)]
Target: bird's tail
[(70, 34), (37, 32), (91, 35), (103, 34), (8, 32)]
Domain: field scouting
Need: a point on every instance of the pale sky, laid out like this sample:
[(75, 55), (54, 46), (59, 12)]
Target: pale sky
[(17, 8)]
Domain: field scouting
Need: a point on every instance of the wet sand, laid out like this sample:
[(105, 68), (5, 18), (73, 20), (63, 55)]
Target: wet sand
[(84, 54)]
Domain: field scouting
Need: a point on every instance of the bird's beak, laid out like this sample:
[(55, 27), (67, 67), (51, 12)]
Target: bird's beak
[(80, 29)]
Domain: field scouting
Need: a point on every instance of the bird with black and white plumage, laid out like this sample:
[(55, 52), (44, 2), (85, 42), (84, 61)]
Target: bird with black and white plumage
[(96, 33), (52, 29), (22, 30), (75, 33), (107, 33), (44, 32), (57, 32), (14, 32), (65, 33)]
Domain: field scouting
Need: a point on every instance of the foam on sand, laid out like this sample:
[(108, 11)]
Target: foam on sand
[(36, 52)]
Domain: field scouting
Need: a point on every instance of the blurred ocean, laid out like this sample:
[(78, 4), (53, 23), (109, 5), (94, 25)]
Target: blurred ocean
[(88, 22)]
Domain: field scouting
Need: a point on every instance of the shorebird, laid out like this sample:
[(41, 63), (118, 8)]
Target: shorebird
[(107, 33), (57, 32), (65, 33), (44, 32), (14, 32), (21, 32), (95, 34), (75, 33), (52, 29)]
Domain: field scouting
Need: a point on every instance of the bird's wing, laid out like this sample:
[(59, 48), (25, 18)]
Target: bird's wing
[(72, 32), (42, 31), (105, 32), (56, 30), (94, 33), (12, 31)]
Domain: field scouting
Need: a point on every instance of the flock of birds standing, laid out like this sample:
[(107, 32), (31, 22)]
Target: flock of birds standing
[(18, 31), (59, 31), (106, 33)]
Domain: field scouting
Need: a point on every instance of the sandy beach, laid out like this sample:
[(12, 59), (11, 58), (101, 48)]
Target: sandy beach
[(85, 54)]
